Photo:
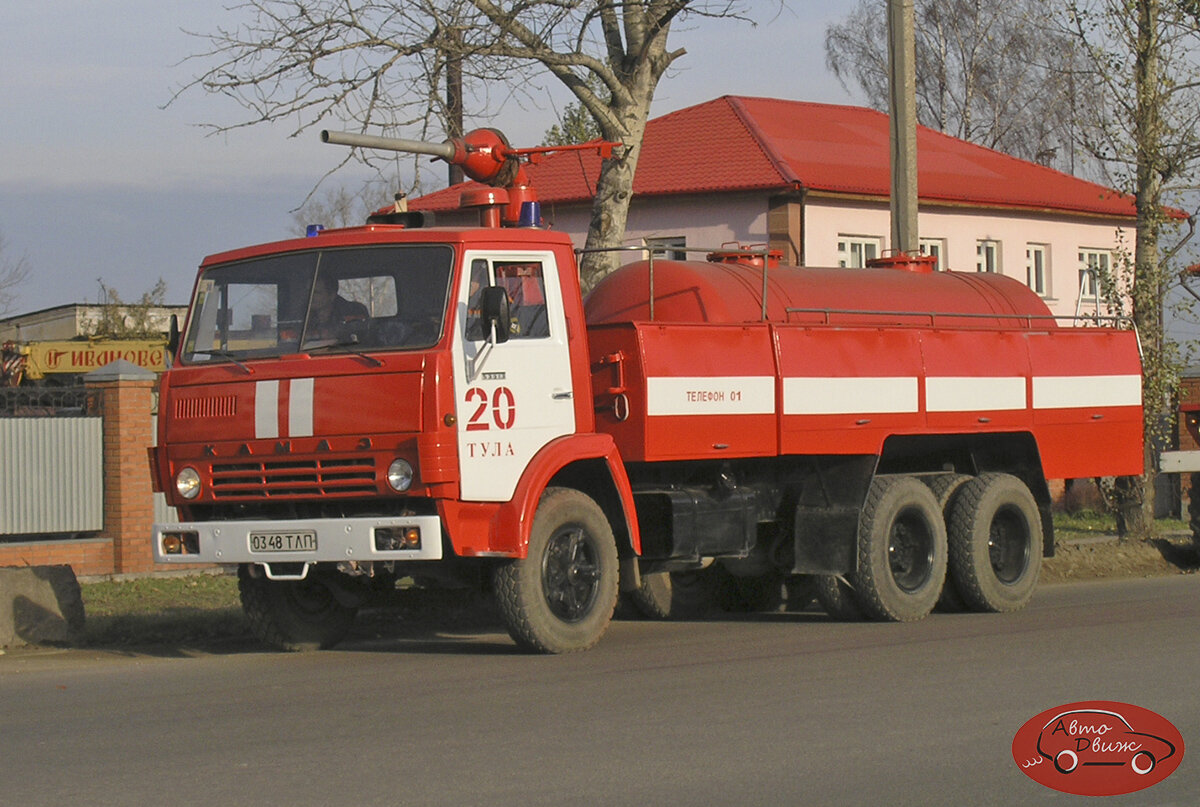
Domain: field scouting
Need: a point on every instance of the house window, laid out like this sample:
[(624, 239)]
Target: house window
[(937, 248), (662, 247), (855, 250), (1035, 267), (1093, 263), (987, 256)]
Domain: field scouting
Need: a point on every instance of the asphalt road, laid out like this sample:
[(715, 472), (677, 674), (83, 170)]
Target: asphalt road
[(777, 709)]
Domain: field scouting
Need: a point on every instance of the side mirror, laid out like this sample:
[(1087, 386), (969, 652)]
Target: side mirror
[(493, 309), (173, 336)]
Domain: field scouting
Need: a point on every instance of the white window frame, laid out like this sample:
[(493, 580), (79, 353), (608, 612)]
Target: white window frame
[(937, 248), (853, 250), (1037, 268), (1092, 258), (988, 256)]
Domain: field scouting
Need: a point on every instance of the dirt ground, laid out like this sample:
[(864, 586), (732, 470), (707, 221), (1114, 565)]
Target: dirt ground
[(1105, 557)]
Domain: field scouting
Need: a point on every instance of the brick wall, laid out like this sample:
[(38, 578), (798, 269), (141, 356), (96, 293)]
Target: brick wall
[(86, 556)]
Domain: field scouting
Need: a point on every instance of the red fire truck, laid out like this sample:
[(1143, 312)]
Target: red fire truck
[(407, 401)]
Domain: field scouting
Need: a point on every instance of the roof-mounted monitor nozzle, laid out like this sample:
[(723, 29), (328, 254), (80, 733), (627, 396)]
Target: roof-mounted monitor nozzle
[(485, 156)]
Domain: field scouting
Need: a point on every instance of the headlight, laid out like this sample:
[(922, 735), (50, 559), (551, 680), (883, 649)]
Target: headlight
[(187, 482), (400, 475)]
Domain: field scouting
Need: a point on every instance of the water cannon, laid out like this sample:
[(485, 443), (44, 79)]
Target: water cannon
[(486, 157)]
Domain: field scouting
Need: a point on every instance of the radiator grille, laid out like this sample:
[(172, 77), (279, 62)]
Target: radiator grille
[(264, 479)]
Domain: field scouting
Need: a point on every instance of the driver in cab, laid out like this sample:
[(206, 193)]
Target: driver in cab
[(329, 312)]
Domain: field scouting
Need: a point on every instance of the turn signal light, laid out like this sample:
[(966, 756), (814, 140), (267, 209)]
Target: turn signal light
[(181, 543), (389, 539)]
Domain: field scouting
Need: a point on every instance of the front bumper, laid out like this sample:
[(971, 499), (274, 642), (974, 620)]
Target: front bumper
[(333, 540)]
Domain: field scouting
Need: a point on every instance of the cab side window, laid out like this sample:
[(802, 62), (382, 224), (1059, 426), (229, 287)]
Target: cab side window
[(526, 296), (479, 280)]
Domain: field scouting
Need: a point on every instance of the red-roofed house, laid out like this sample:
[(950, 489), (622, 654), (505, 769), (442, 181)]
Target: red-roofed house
[(813, 180)]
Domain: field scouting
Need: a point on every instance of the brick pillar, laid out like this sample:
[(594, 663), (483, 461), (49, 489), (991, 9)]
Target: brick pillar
[(125, 399)]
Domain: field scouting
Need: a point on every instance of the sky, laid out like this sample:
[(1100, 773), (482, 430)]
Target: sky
[(101, 181)]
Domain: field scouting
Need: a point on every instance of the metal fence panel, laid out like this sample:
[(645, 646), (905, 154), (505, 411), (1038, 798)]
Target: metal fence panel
[(51, 475), (163, 513)]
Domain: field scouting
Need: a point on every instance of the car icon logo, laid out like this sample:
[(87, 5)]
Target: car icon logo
[(1098, 748)]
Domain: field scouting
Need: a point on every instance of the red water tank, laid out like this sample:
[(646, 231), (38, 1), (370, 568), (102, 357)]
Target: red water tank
[(695, 291)]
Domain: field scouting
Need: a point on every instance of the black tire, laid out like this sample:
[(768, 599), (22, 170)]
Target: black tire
[(944, 488), (293, 615), (560, 597), (674, 595), (901, 550), (837, 598), (995, 543)]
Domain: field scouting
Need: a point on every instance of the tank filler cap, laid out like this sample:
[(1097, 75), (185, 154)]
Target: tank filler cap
[(752, 255), (919, 264)]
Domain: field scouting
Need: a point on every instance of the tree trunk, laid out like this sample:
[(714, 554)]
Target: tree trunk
[(1135, 494), (614, 192)]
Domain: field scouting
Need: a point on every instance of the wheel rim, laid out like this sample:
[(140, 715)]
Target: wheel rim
[(1008, 545), (910, 550), (570, 574)]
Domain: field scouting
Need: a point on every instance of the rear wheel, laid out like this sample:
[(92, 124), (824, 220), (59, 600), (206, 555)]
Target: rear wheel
[(293, 615), (560, 597), (995, 543), (944, 488), (901, 550)]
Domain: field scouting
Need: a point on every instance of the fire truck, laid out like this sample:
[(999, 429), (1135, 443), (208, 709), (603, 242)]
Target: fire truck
[(460, 411)]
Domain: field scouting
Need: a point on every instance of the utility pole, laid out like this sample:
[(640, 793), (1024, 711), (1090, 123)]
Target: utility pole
[(902, 109)]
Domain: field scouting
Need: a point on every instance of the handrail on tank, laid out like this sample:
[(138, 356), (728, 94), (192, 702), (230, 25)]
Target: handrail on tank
[(1113, 321), (1028, 319), (650, 249)]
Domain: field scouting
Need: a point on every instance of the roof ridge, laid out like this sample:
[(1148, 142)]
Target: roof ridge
[(736, 103)]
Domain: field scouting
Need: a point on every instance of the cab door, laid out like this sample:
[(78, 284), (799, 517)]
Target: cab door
[(512, 397)]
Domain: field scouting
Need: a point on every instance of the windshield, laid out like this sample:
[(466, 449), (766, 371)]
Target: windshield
[(359, 299)]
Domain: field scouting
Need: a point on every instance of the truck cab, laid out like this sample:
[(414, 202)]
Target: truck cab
[(352, 401)]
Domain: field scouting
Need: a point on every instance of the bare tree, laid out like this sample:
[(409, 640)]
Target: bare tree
[(338, 207), (13, 272), (1144, 57), (380, 65), (991, 73), (129, 320)]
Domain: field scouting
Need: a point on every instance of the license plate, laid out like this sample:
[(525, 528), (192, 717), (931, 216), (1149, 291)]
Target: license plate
[(305, 541)]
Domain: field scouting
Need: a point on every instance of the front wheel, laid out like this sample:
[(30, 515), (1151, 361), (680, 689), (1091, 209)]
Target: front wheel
[(293, 615), (560, 597)]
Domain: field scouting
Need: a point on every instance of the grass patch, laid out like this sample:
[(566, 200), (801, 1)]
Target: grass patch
[(1084, 523), (156, 610)]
